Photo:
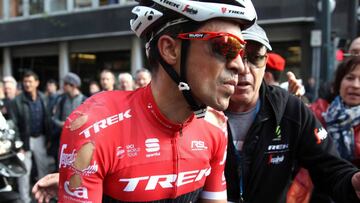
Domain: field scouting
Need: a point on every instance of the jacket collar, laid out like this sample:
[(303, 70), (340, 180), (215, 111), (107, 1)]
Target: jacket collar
[(273, 101)]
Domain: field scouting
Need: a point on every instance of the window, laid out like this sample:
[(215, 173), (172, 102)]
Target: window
[(108, 2), (1, 9), (16, 8), (82, 3), (57, 5), (36, 6)]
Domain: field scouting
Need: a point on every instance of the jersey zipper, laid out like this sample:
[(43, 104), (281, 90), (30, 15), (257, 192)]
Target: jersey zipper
[(176, 156)]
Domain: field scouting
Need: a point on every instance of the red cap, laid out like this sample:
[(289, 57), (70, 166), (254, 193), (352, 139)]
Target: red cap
[(275, 62)]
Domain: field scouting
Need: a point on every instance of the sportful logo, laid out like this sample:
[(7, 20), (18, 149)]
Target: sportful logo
[(104, 123), (79, 192), (152, 147), (320, 134), (198, 145), (189, 10), (65, 158), (223, 10), (165, 181)]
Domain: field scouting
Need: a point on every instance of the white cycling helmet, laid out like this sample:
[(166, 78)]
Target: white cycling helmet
[(154, 16), (152, 13)]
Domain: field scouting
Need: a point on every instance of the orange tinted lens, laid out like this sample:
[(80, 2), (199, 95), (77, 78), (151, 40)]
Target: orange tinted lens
[(227, 46)]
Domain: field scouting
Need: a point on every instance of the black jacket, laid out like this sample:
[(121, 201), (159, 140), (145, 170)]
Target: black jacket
[(271, 156), (20, 113)]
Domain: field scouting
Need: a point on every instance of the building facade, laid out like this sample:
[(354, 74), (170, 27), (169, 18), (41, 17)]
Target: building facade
[(53, 37)]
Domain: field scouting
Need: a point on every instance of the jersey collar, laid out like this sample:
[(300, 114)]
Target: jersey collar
[(154, 112)]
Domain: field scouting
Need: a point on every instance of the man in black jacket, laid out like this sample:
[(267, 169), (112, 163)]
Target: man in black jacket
[(271, 133), (31, 117)]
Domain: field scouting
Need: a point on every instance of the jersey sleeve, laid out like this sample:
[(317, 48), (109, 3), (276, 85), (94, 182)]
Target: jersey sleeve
[(81, 166), (215, 184)]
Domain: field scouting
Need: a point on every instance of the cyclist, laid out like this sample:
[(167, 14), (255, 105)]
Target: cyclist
[(149, 145)]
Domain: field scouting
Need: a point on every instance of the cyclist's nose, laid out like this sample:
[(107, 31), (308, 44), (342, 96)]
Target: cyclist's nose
[(241, 64), (236, 65)]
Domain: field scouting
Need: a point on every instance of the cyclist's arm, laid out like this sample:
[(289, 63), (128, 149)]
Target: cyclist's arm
[(80, 165)]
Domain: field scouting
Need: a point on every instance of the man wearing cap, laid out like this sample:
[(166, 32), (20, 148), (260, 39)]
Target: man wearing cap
[(67, 102), (274, 67), (272, 133)]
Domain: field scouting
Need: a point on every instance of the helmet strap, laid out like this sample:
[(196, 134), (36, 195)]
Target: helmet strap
[(198, 109)]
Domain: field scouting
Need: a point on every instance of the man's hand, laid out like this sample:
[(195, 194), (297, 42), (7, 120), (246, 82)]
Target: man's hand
[(46, 188), (355, 180), (295, 87)]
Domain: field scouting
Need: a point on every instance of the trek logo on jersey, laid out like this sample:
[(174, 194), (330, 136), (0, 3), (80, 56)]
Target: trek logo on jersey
[(79, 192), (198, 145), (164, 181), (104, 123), (152, 147), (320, 134), (66, 159), (276, 159)]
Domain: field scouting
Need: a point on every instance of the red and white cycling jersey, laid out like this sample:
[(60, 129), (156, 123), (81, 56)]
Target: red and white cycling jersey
[(139, 155)]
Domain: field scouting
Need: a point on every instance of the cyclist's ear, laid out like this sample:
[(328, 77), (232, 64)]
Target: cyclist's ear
[(169, 49)]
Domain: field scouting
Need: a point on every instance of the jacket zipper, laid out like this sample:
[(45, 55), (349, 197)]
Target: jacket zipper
[(256, 165)]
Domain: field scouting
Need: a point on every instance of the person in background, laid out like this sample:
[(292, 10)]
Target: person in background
[(51, 92), (67, 102), (354, 48), (2, 90), (10, 86), (29, 111), (342, 118), (2, 97), (126, 82), (272, 133), (107, 80), (94, 88), (275, 65), (142, 77), (310, 89)]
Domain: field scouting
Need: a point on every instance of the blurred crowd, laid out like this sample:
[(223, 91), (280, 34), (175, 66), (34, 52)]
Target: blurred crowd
[(38, 116)]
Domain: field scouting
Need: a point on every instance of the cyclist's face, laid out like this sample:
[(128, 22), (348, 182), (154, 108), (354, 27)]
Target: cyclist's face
[(250, 78), (211, 76)]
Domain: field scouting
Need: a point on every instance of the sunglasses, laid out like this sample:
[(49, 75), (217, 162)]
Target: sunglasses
[(222, 43), (252, 55)]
